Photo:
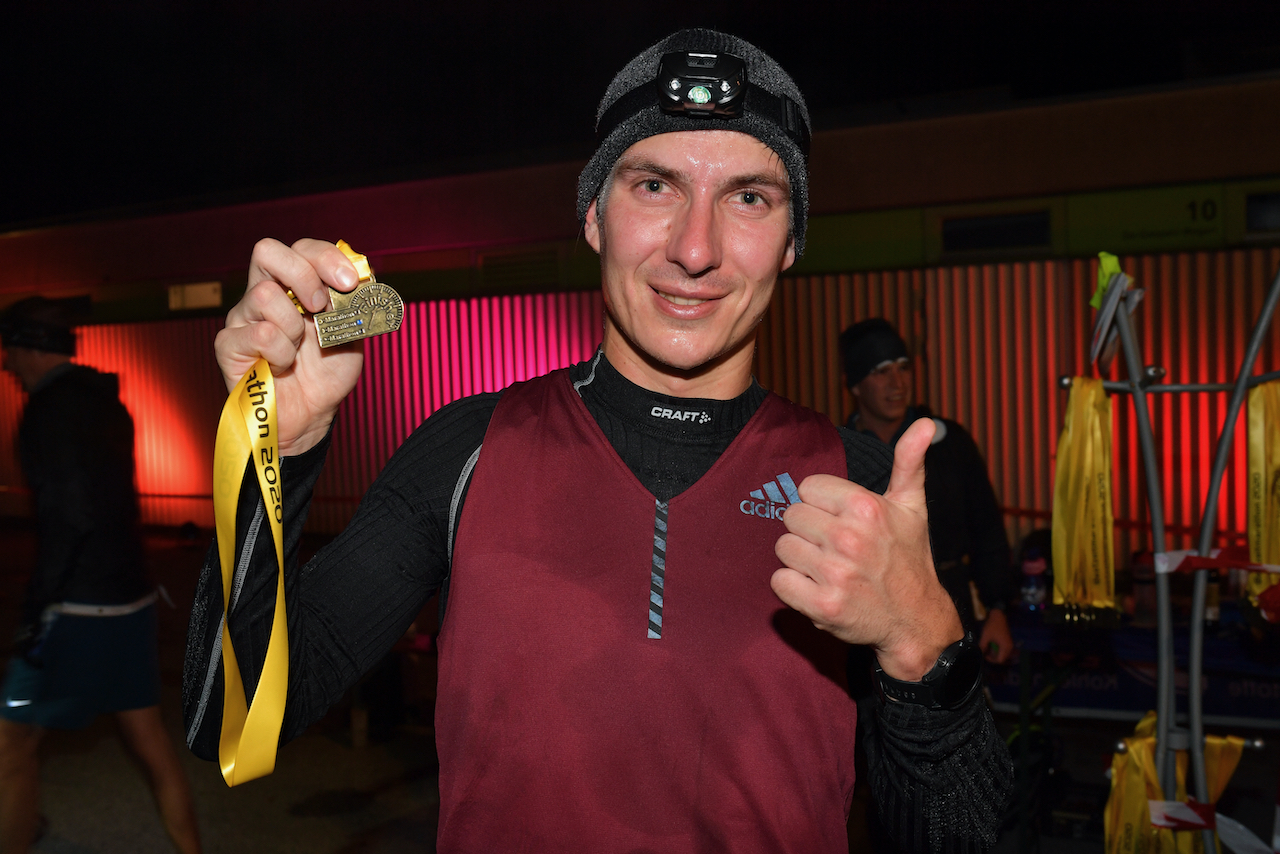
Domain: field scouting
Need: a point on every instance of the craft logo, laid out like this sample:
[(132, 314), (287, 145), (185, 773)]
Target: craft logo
[(695, 415), (771, 500)]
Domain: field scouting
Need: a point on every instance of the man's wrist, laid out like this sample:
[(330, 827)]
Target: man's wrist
[(951, 681), (910, 658), (309, 439)]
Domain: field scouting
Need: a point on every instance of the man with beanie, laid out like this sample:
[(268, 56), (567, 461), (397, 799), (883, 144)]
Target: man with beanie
[(87, 644), (618, 667), (965, 524)]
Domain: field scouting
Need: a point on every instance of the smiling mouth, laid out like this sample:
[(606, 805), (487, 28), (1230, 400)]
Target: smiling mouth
[(678, 300)]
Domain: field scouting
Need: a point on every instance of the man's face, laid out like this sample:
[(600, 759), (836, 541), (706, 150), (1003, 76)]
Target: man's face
[(696, 233), (885, 393)]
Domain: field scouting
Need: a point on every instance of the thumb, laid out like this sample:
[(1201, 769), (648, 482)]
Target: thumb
[(906, 483)]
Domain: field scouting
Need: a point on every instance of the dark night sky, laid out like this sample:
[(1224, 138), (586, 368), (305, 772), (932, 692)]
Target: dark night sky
[(135, 107)]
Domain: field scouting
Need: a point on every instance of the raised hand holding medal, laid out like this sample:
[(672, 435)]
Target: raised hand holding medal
[(284, 394), (267, 324)]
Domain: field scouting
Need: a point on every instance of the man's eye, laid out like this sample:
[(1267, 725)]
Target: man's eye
[(653, 185), (750, 198)]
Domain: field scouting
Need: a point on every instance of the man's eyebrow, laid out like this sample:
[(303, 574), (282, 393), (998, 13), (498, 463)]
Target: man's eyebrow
[(765, 180), (646, 167)]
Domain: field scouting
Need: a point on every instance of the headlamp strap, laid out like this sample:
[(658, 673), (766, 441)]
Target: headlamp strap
[(625, 107), (782, 111)]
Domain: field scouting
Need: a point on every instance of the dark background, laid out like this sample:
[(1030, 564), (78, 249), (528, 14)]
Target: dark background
[(128, 108)]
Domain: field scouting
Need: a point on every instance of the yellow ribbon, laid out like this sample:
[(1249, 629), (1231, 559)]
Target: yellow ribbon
[(361, 263), (1083, 555), (1127, 819), (1264, 485), (1108, 266), (247, 748)]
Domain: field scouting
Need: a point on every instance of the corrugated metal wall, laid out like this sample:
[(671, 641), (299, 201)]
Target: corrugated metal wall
[(991, 340), (170, 383), (444, 350)]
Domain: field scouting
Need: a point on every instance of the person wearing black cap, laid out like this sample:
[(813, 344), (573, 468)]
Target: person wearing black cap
[(965, 524), (617, 667), (87, 643)]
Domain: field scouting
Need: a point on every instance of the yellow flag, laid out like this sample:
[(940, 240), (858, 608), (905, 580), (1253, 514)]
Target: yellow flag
[(1083, 554), (1264, 485), (1127, 819)]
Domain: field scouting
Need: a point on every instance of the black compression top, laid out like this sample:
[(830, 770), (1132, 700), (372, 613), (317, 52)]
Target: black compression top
[(940, 778)]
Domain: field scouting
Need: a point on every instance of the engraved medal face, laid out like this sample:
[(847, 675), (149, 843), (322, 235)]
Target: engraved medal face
[(371, 309)]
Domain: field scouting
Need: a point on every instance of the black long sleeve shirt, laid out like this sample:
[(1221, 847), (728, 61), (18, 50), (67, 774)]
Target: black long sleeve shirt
[(941, 778)]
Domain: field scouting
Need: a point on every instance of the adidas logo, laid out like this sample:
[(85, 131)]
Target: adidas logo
[(771, 500)]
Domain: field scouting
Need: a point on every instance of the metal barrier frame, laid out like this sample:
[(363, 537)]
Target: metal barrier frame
[(1142, 382)]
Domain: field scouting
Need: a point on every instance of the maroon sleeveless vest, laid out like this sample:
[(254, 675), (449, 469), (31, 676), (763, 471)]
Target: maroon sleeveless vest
[(617, 674)]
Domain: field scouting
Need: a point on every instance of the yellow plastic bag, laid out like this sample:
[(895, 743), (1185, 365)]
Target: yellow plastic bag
[(1083, 554), (1264, 485), (1127, 819)]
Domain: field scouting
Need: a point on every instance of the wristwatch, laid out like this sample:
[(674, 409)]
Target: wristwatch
[(951, 681)]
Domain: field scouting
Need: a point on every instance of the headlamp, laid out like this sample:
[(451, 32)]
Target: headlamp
[(707, 85), (702, 84)]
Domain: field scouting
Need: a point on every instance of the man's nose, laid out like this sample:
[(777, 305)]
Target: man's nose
[(694, 240)]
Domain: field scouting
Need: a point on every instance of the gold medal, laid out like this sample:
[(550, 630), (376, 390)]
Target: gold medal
[(371, 309)]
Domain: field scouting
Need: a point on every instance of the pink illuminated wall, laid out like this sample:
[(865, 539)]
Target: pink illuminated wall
[(445, 350), (990, 339)]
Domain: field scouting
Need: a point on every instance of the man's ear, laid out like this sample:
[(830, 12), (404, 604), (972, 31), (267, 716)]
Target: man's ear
[(591, 228), (789, 256)]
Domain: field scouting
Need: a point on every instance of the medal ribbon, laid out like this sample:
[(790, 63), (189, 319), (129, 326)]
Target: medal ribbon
[(247, 748), (361, 263), (1127, 823), (1083, 555), (1264, 482)]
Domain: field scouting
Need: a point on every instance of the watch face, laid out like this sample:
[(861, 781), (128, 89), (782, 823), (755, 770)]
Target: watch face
[(961, 677)]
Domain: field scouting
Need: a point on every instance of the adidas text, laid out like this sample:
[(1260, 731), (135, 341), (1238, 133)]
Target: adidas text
[(763, 509)]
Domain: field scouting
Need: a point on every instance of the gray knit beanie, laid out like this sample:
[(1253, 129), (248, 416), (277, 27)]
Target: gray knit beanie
[(766, 125)]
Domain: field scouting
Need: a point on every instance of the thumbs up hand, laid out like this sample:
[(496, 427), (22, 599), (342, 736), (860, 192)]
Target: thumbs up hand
[(859, 564)]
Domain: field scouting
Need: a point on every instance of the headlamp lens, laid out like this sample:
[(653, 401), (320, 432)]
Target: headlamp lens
[(702, 84)]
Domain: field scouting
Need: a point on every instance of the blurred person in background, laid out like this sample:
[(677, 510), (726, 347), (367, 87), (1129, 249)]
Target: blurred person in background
[(87, 640), (970, 549)]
